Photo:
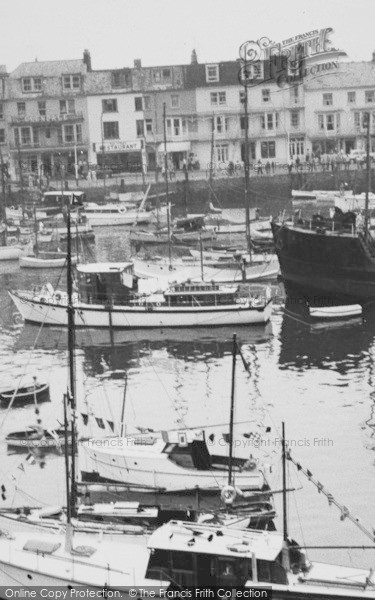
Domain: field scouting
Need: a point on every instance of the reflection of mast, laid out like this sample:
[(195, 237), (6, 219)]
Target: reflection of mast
[(246, 157)]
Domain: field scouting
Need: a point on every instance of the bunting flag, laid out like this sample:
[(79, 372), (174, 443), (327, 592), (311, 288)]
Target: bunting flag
[(111, 424), (30, 459), (100, 422), (255, 437), (21, 467), (85, 419), (345, 513)]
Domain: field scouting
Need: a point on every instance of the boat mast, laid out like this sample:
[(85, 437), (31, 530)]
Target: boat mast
[(367, 121), (166, 186), (71, 346), (212, 158), (285, 517), (247, 197), (230, 462)]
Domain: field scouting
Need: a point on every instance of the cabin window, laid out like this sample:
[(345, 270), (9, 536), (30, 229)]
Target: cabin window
[(233, 571)]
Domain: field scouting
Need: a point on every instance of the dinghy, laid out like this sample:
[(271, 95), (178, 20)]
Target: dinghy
[(336, 312)]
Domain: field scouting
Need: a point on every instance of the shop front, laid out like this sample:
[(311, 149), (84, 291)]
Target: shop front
[(177, 152), (120, 156)]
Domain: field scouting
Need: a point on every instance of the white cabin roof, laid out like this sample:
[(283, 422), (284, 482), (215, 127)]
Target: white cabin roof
[(109, 267), (220, 541)]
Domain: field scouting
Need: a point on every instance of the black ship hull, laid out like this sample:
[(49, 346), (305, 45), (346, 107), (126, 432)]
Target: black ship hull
[(326, 267)]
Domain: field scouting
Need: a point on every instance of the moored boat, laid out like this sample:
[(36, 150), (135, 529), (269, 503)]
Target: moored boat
[(33, 393), (109, 296), (45, 260), (336, 312)]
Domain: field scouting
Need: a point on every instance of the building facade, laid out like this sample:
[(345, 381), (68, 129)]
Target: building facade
[(64, 115)]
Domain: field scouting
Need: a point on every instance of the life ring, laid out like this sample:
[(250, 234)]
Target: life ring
[(122, 210), (43, 300), (12, 208), (250, 464), (170, 268), (228, 494), (58, 297), (157, 304)]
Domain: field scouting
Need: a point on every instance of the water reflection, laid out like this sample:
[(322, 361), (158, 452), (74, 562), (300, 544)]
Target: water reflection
[(123, 349), (339, 345)]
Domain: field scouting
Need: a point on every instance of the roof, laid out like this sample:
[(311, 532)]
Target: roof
[(109, 267), (48, 68), (350, 74), (220, 541)]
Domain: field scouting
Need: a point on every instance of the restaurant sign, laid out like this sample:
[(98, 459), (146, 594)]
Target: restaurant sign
[(118, 146)]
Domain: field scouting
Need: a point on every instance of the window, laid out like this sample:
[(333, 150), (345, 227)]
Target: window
[(2, 136), (294, 94), (327, 99), (166, 74), (156, 75), (71, 82), (266, 95), (109, 105), (351, 97), (176, 127), (175, 101), (269, 120), (212, 73), (222, 152), (294, 118), (67, 107), (22, 136), (254, 70), (42, 108), (370, 96), (220, 124), (140, 128), (47, 133), (138, 103), (218, 98), (148, 125), (31, 84), (121, 78), (68, 133), (267, 150), (110, 130), (1, 111), (21, 109), (242, 97), (297, 146), (329, 121), (146, 103)]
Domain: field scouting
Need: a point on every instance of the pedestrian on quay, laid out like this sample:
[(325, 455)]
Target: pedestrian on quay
[(268, 167), (260, 167), (273, 166)]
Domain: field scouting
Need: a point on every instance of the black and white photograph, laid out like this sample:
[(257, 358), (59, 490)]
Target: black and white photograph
[(187, 300)]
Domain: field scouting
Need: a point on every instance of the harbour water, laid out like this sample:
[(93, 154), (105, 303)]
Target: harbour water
[(320, 381)]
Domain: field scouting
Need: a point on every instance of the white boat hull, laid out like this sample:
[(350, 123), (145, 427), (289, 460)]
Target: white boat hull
[(33, 262), (158, 473), (126, 218), (49, 312), (11, 252), (336, 312)]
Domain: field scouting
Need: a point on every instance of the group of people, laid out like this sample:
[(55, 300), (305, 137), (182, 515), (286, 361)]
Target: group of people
[(268, 167)]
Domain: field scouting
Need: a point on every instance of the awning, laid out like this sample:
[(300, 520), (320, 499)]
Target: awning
[(175, 147)]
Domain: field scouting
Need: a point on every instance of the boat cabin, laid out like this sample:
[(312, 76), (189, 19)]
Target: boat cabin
[(106, 283), (190, 223), (55, 201), (196, 555), (200, 294)]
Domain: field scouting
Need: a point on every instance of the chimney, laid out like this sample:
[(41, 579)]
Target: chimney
[(373, 57), (137, 63), (87, 60), (194, 58)]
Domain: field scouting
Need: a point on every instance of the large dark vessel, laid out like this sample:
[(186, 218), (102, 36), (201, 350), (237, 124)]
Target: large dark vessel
[(329, 259), (325, 259)]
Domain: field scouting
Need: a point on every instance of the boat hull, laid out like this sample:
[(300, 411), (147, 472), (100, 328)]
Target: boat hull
[(126, 218), (27, 395), (126, 317), (11, 252), (320, 265), (35, 262)]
